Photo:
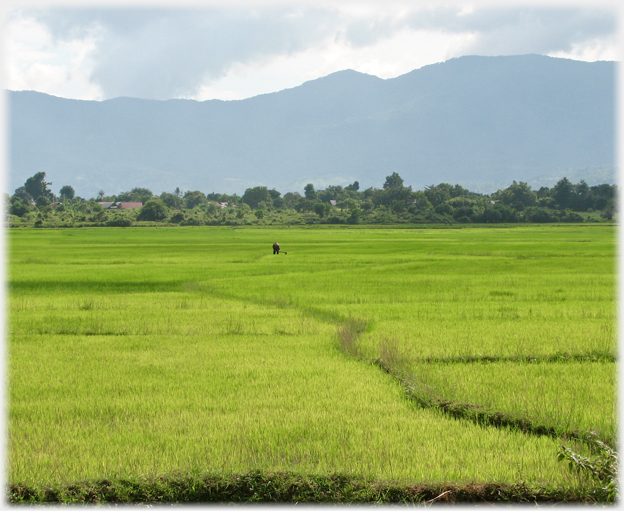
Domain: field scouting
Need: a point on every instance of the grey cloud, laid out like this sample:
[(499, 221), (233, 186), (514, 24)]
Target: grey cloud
[(360, 32), (160, 54), (521, 30), (500, 30), (164, 53)]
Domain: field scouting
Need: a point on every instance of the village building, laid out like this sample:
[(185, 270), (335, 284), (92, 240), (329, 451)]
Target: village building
[(121, 205)]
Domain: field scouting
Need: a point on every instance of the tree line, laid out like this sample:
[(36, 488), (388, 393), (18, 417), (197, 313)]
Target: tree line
[(394, 203)]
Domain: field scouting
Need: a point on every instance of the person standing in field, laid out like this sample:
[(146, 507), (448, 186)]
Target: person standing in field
[(276, 248)]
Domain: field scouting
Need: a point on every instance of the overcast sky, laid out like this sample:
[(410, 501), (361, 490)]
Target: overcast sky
[(240, 50)]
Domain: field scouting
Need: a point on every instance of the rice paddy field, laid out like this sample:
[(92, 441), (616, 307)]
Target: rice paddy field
[(143, 351)]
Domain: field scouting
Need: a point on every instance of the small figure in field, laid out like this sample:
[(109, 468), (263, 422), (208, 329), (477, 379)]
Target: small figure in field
[(276, 248)]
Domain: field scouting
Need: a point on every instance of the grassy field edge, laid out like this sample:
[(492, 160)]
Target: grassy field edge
[(289, 487)]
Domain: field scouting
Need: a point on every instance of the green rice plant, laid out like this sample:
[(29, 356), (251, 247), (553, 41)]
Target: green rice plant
[(147, 350), (568, 396), (116, 406)]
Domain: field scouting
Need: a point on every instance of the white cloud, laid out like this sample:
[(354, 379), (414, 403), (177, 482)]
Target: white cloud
[(241, 51), (542, 31), (591, 51), (35, 61), (416, 48)]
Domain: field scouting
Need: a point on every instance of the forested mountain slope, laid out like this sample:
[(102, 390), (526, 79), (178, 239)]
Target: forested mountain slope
[(477, 121)]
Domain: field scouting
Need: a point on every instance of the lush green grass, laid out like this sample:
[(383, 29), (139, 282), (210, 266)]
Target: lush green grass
[(142, 351), (115, 406), (569, 395)]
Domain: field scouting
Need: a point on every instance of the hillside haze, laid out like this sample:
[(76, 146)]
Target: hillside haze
[(477, 121)]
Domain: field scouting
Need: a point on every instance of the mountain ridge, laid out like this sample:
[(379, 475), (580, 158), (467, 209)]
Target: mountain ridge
[(469, 120)]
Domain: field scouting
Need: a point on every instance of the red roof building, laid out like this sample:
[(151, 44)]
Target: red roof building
[(121, 205), (129, 205)]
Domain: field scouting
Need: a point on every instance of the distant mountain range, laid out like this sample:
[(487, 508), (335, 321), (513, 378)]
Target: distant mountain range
[(476, 121)]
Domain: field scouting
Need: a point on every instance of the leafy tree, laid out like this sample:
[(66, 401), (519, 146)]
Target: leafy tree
[(274, 194), (353, 187), (36, 187), (582, 199), (18, 207), (491, 216), (438, 194), (224, 197), (368, 205), (119, 221), (136, 195), (543, 192), (93, 206), (602, 196), (254, 196), (394, 195), (507, 214), (420, 201), (291, 198), (153, 210), (393, 181), (458, 202), (398, 206), (332, 192), (517, 195), (194, 198), (463, 214), (368, 193), (570, 216), (171, 200), (563, 193), (42, 201), (321, 209), (354, 216), (348, 203), (309, 191), (178, 217), (609, 210), (259, 214), (444, 209), (99, 216), (458, 191), (23, 194), (303, 205), (544, 198), (399, 197), (67, 192)]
